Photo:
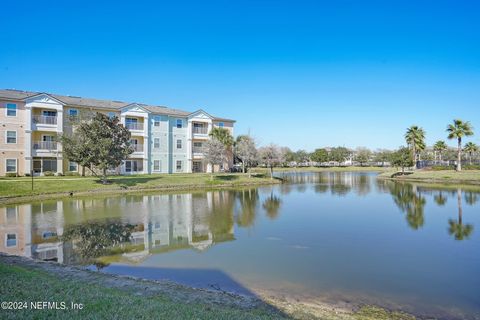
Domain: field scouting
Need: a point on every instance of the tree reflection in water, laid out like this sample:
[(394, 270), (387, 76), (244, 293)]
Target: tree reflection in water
[(96, 239), (440, 199), (248, 200), (272, 206), (456, 228), (410, 201)]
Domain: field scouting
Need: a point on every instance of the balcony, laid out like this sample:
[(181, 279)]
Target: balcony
[(200, 130), (137, 147), (45, 145), (39, 119), (134, 126), (197, 149)]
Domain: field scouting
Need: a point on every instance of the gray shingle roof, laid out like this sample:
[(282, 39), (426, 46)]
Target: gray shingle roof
[(11, 94)]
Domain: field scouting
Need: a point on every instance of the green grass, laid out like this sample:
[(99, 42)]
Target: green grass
[(15, 187), (21, 284), (443, 176)]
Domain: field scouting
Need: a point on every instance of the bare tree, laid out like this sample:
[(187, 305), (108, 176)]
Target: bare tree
[(215, 153), (271, 156), (246, 151)]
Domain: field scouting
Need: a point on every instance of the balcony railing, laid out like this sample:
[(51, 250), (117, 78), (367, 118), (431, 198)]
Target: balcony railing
[(45, 145), (200, 130), (134, 126), (44, 119), (197, 149), (137, 147)]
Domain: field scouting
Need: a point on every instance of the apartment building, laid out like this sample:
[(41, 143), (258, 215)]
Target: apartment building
[(165, 140)]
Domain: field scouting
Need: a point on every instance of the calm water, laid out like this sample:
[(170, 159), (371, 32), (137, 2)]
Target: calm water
[(325, 236)]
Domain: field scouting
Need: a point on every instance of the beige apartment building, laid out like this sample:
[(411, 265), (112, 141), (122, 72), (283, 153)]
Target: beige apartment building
[(165, 140)]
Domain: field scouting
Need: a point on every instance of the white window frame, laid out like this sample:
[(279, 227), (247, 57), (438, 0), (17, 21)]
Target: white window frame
[(6, 109), (155, 144), (156, 121), (6, 137), (176, 165), (181, 144), (179, 121), (16, 165), (6, 239), (70, 112), (159, 166), (70, 166)]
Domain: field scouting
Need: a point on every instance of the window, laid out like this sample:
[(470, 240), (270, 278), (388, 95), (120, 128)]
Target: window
[(73, 112), (49, 113), (197, 144), (11, 215), (49, 234), (11, 239), (179, 123), (72, 166), (179, 144), (156, 121), (156, 165), (111, 115), (11, 165), (11, 110), (221, 124), (179, 165), (11, 136), (156, 143)]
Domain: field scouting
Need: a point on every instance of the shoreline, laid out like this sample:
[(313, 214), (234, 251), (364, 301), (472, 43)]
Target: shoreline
[(105, 192), (263, 303), (446, 178)]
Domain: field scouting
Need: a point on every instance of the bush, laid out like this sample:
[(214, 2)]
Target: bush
[(48, 173), (11, 174), (471, 167), (27, 175), (72, 173), (441, 168), (59, 174)]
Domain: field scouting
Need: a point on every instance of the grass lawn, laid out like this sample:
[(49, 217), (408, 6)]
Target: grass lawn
[(109, 297), (14, 187), (441, 176)]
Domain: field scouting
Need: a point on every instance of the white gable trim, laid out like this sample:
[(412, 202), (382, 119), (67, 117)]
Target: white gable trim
[(44, 99), (200, 114), (134, 107)]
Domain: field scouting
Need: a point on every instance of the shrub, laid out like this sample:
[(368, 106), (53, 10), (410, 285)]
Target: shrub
[(11, 174), (471, 167), (27, 174), (441, 168), (48, 173), (59, 174), (72, 173)]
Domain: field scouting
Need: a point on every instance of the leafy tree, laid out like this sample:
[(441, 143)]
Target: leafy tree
[(246, 151), (402, 158), (470, 148), (302, 156), (215, 153), (101, 142), (458, 130), (320, 155), (339, 154), (383, 156), (415, 138), (363, 155), (271, 156), (439, 147)]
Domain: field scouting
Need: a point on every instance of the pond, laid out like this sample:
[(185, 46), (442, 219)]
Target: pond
[(330, 237)]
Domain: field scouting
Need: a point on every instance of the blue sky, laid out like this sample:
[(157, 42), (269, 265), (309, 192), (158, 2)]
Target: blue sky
[(304, 74)]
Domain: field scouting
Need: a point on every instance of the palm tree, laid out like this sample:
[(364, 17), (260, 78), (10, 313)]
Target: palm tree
[(440, 199), (470, 148), (272, 206), (415, 138), (457, 228), (458, 130), (439, 147), (222, 135)]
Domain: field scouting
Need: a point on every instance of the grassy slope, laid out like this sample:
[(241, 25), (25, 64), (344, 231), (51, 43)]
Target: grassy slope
[(43, 185), (104, 301), (443, 176)]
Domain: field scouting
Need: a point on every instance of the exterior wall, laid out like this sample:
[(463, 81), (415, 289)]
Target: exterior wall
[(8, 123), (160, 134), (177, 154)]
